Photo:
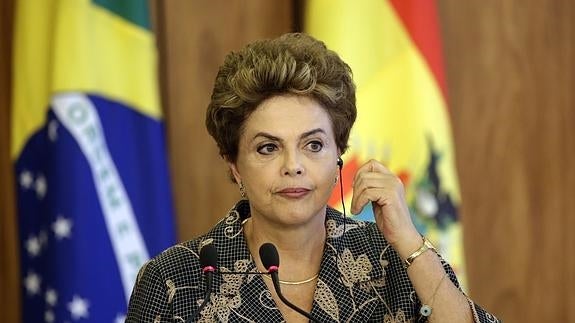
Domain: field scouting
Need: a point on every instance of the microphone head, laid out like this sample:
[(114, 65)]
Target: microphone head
[(269, 257), (208, 258)]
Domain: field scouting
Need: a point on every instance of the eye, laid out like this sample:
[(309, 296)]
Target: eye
[(267, 149), (315, 145)]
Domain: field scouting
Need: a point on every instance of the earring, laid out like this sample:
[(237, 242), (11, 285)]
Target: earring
[(243, 191)]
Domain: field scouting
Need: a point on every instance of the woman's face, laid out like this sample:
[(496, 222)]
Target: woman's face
[(287, 160)]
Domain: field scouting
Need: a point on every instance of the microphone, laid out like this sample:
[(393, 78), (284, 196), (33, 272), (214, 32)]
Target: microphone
[(208, 262), (271, 261)]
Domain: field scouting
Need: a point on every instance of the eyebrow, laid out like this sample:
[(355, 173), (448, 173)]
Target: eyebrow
[(303, 135)]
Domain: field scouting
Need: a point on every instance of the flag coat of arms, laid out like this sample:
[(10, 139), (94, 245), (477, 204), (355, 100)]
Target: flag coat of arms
[(394, 50), (94, 202)]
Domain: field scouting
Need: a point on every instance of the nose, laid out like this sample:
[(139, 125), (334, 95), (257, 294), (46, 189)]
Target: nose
[(292, 165)]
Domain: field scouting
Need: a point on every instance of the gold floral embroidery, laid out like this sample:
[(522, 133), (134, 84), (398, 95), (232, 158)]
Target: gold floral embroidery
[(188, 249), (233, 217), (142, 270), (204, 243), (380, 282), (399, 317), (171, 290), (221, 306), (230, 221), (336, 231), (353, 270), (326, 300), (242, 265), (232, 284), (266, 298), (356, 270), (230, 232), (229, 297)]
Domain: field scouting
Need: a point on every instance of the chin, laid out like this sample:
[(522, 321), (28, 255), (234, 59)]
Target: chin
[(298, 216)]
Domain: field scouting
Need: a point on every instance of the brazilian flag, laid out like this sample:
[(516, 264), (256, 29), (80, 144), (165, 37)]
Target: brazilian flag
[(89, 153)]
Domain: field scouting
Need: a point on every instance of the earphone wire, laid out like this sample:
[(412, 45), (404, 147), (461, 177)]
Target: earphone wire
[(342, 199)]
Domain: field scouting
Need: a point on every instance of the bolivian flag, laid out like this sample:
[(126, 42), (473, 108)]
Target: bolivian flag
[(394, 50), (89, 154)]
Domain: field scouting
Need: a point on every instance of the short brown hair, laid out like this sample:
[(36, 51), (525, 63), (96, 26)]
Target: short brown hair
[(294, 63)]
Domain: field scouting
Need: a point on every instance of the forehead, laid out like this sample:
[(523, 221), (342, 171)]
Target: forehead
[(288, 115)]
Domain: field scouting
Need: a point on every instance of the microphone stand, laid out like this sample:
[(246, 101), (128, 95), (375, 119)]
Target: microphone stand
[(209, 262), (209, 279), (276, 282)]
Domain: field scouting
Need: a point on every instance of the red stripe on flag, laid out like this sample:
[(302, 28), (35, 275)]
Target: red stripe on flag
[(420, 20)]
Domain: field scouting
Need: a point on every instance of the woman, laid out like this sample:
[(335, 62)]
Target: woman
[(281, 113)]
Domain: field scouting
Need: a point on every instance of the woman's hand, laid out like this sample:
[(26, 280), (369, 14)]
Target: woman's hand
[(375, 183)]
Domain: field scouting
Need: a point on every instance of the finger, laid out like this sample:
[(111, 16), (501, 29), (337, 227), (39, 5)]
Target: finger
[(361, 182), (380, 196), (379, 167), (375, 181), (370, 167), (372, 180), (367, 180)]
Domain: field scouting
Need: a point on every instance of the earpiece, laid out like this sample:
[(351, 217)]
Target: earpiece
[(339, 162), (340, 165)]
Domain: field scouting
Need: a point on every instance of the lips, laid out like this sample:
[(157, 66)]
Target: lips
[(293, 192)]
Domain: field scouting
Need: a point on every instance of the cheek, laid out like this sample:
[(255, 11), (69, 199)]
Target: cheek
[(260, 178), (328, 179)]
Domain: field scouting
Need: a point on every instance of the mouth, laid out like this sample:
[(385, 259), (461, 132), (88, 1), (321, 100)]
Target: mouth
[(294, 192)]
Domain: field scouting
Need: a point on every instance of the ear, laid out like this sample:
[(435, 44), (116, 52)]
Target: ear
[(234, 171)]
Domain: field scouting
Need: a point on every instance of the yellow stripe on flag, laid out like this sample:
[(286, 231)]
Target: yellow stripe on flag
[(79, 47)]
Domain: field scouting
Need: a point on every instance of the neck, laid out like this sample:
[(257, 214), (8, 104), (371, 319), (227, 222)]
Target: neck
[(296, 245)]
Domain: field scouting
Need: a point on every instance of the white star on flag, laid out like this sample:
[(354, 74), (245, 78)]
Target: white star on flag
[(41, 186), (33, 246), (26, 179), (32, 283), (62, 227), (51, 297), (53, 130), (120, 318), (49, 316), (78, 307)]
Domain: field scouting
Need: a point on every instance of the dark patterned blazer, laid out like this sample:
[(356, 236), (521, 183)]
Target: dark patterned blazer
[(361, 279)]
